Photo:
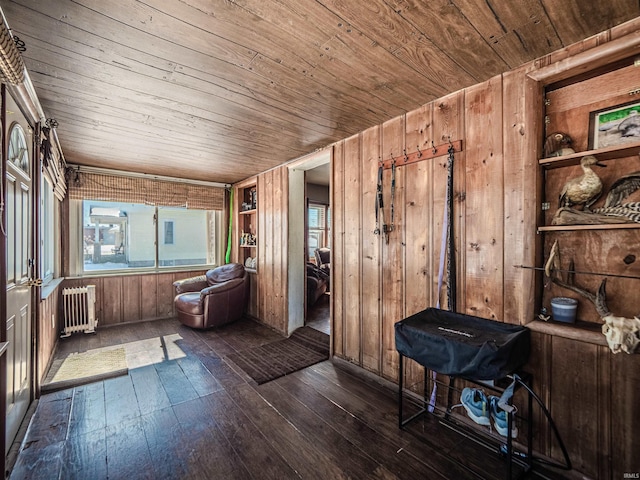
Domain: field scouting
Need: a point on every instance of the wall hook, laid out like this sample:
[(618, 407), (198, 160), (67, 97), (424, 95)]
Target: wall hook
[(433, 148), (419, 152), (406, 159)]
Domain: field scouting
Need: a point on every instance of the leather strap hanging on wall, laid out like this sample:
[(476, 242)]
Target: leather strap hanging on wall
[(406, 159), (386, 228), (451, 253), (447, 247), (379, 202), (390, 228)]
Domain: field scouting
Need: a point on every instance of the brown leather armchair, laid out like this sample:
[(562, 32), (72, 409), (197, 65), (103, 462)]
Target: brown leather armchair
[(317, 283), (216, 298), (323, 259)]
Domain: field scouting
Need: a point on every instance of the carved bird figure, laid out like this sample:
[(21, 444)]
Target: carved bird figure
[(619, 191), (585, 189), (622, 188), (557, 144)]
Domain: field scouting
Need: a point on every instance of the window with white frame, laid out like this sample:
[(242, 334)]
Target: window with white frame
[(48, 237), (168, 232), (127, 236), (318, 221)]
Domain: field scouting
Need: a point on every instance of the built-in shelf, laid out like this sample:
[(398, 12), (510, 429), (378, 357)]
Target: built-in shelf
[(606, 226), (609, 153), (3, 347), (248, 246), (582, 331), (251, 270), (247, 212)]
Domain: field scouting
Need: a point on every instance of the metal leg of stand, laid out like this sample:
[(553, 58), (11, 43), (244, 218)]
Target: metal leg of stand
[(449, 396), (401, 374), (509, 444), (530, 431), (402, 421), (426, 389)]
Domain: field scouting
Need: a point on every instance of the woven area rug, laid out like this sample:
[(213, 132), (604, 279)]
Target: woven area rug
[(303, 348), (86, 367)]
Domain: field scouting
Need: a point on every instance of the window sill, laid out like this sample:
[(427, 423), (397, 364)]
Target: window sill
[(140, 271), (50, 287)]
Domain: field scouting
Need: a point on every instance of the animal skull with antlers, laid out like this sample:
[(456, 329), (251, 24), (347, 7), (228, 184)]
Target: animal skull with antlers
[(622, 334)]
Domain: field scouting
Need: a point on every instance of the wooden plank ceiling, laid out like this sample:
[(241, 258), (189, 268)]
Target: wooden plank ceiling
[(220, 90)]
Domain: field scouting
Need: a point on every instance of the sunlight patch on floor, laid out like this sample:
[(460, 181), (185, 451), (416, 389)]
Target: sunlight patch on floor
[(154, 350)]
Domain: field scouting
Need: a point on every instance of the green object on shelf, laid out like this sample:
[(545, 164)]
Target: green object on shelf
[(227, 257)]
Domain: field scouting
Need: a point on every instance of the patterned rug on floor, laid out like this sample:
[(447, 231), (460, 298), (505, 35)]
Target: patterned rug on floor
[(86, 367), (303, 348)]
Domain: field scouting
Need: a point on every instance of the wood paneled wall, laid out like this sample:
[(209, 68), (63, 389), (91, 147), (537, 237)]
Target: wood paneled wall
[(47, 332), (273, 197), (132, 298), (269, 286), (591, 393), (378, 283)]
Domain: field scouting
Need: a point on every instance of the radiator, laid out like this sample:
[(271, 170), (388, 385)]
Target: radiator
[(79, 306)]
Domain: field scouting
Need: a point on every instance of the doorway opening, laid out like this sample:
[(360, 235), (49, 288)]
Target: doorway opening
[(318, 248), (310, 239)]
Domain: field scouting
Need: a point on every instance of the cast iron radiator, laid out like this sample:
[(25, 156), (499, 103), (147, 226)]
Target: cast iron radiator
[(79, 310)]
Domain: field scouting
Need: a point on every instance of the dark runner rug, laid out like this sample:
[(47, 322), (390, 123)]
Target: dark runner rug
[(303, 348)]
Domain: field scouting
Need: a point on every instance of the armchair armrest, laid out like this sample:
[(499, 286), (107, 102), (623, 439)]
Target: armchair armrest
[(193, 284), (221, 287)]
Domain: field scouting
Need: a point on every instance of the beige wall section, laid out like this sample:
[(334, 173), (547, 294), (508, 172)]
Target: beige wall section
[(497, 188)]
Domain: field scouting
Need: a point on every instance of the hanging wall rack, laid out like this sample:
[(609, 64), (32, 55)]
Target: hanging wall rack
[(419, 155)]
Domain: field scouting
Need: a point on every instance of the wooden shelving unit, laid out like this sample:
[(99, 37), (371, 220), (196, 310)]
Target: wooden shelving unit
[(603, 154), (582, 331), (596, 248), (246, 208), (247, 226), (609, 226)]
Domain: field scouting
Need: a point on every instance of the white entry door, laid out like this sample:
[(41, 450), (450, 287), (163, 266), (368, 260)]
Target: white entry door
[(18, 231)]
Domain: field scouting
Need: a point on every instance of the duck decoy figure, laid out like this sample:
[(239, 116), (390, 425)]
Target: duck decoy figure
[(585, 189), (558, 144)]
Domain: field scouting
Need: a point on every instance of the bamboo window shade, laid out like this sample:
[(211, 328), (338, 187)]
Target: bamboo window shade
[(11, 64), (111, 188), (53, 164)]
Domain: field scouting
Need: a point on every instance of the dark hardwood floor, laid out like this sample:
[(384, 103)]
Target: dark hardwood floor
[(319, 314), (184, 412)]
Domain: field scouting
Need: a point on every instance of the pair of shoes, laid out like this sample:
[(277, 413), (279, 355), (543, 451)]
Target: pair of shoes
[(480, 409), (500, 418), (476, 404)]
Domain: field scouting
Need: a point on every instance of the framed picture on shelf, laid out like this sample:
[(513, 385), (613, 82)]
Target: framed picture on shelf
[(614, 125)]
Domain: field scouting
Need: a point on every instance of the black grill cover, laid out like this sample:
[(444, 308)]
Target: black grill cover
[(462, 345)]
